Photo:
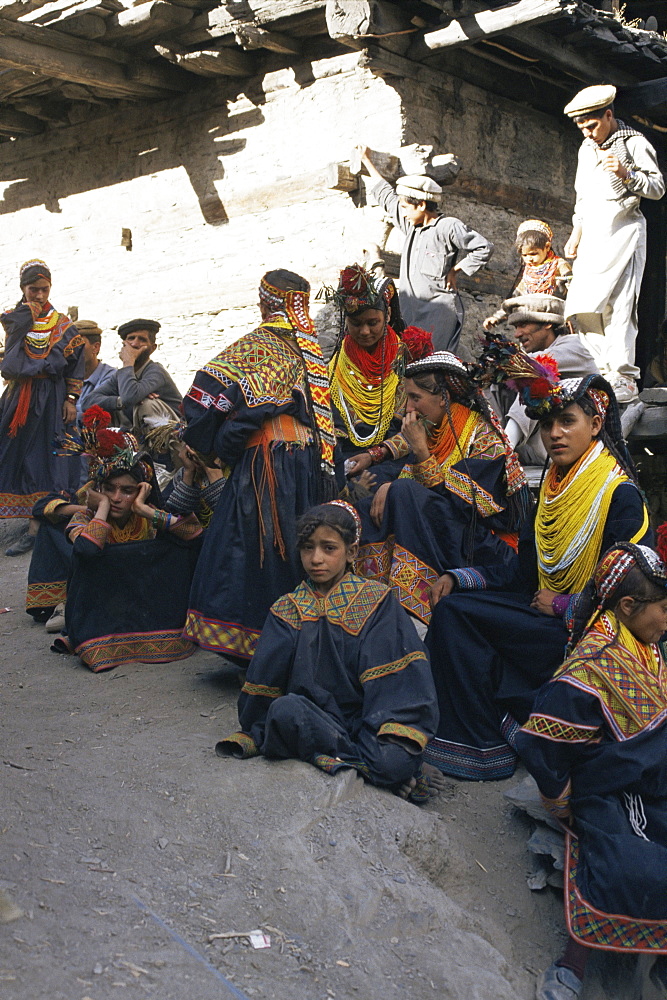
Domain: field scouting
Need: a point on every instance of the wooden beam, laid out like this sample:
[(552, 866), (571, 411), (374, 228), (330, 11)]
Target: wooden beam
[(251, 36), (147, 21), (210, 62), (14, 122), (221, 21), (487, 23), (51, 38), (352, 21), (145, 81), (81, 25)]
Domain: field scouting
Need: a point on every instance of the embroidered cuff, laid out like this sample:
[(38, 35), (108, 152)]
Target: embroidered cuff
[(51, 509), (397, 446), (404, 733), (468, 578), (73, 386), (559, 807), (238, 745), (428, 473), (97, 532), (261, 690), (187, 527)]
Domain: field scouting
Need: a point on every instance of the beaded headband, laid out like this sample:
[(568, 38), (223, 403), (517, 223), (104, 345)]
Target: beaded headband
[(439, 361), (535, 226), (570, 390), (40, 268), (617, 563), (350, 509)]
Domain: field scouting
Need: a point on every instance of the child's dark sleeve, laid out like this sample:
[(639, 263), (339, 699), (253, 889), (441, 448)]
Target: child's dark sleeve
[(565, 723), (400, 702), (267, 679)]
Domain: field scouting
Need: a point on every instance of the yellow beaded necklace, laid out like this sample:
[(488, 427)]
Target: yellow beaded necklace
[(571, 517), (357, 400)]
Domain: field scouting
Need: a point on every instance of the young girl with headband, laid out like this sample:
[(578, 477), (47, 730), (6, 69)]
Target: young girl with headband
[(595, 743), (339, 677)]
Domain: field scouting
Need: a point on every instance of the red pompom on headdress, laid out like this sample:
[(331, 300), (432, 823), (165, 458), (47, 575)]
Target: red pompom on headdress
[(109, 442), (419, 343), (96, 417)]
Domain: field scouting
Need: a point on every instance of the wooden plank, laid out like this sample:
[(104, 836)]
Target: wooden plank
[(221, 21), (210, 62), (147, 81), (147, 21), (251, 36), (487, 23)]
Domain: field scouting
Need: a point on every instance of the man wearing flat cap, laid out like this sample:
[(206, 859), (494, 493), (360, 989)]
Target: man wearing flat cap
[(142, 390), (431, 258), (617, 167), (540, 327), (95, 371)]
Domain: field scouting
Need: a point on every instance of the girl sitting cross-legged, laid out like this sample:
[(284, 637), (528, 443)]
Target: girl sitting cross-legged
[(339, 678)]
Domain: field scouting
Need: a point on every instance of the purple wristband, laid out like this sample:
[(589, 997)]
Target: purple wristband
[(559, 604)]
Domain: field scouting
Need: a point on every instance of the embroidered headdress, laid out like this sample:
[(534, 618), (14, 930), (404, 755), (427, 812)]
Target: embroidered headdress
[(456, 377), (617, 562), (535, 226), (109, 452), (286, 293), (33, 270), (610, 572)]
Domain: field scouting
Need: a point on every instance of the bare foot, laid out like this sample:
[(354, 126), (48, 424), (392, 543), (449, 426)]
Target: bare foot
[(406, 790), (435, 779)]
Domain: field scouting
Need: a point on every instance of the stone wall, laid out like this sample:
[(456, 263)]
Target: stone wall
[(217, 187)]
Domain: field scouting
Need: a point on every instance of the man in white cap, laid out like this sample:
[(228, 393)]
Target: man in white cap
[(430, 259), (617, 167), (540, 329)]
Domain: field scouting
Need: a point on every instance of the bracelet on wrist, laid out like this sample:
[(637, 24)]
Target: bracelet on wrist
[(377, 453)]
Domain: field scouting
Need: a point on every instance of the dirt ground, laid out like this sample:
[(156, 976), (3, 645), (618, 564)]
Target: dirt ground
[(129, 845)]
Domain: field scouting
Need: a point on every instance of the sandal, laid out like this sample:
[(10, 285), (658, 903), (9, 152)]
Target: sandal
[(558, 983)]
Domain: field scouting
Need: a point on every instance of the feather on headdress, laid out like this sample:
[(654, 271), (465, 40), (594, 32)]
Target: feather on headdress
[(535, 379)]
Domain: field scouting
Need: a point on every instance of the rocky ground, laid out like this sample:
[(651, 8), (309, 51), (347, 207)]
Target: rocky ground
[(140, 860)]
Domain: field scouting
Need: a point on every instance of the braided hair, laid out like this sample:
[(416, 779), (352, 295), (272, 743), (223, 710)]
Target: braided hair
[(625, 570)]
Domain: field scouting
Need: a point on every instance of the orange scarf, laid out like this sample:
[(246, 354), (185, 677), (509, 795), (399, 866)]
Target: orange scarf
[(444, 439)]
